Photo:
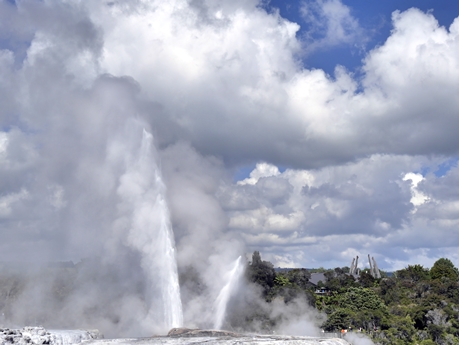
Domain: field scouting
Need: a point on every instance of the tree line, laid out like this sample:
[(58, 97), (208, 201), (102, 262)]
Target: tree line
[(415, 305)]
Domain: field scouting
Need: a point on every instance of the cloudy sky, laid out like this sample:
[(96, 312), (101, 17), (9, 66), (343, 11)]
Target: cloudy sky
[(312, 131)]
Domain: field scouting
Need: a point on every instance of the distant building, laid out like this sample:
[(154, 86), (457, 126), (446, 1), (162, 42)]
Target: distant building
[(316, 278), (321, 291)]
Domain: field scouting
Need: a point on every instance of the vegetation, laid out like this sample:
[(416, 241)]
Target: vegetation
[(286, 285), (416, 305)]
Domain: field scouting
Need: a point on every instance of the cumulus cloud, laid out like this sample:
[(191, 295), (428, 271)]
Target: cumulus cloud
[(369, 206), (261, 170), (264, 106), (342, 206), (417, 197)]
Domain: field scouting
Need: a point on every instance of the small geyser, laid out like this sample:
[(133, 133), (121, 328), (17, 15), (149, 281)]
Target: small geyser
[(232, 279)]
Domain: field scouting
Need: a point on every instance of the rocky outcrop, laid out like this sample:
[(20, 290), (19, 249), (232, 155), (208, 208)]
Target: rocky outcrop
[(68, 337), (41, 336), (26, 335)]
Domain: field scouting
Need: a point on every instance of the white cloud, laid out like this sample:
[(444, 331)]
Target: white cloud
[(261, 170), (417, 197), (329, 23), (7, 202), (356, 209), (16, 152), (233, 87)]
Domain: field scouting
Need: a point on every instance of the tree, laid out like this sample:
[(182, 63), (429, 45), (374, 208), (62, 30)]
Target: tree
[(256, 258), (413, 273), (337, 279), (299, 277), (341, 318), (357, 307), (444, 268), (261, 272), (435, 331), (404, 328), (366, 279), (359, 299), (282, 280)]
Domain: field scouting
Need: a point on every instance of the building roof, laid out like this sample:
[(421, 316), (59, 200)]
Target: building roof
[(316, 277)]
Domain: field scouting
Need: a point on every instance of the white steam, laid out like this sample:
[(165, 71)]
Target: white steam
[(232, 279), (145, 215), (358, 339)]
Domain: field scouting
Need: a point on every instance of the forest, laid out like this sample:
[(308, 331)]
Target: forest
[(415, 305)]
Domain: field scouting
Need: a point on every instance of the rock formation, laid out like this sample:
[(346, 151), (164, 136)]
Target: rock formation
[(41, 336)]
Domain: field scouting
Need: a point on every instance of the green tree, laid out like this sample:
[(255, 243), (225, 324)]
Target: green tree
[(356, 307), (359, 299), (428, 342), (340, 318), (261, 273), (366, 279), (299, 277), (390, 291), (403, 328), (435, 331), (413, 273), (444, 268), (337, 279), (282, 280)]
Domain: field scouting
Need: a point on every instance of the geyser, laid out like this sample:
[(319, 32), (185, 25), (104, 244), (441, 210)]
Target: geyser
[(231, 278), (145, 212)]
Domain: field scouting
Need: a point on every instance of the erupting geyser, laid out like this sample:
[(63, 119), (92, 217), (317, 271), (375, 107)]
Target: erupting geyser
[(144, 210), (231, 278)]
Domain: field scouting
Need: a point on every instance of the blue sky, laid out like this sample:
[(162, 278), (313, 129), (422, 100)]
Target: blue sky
[(374, 17)]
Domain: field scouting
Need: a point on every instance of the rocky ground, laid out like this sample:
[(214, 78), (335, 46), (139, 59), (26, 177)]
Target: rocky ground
[(41, 336), (177, 336), (185, 336)]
